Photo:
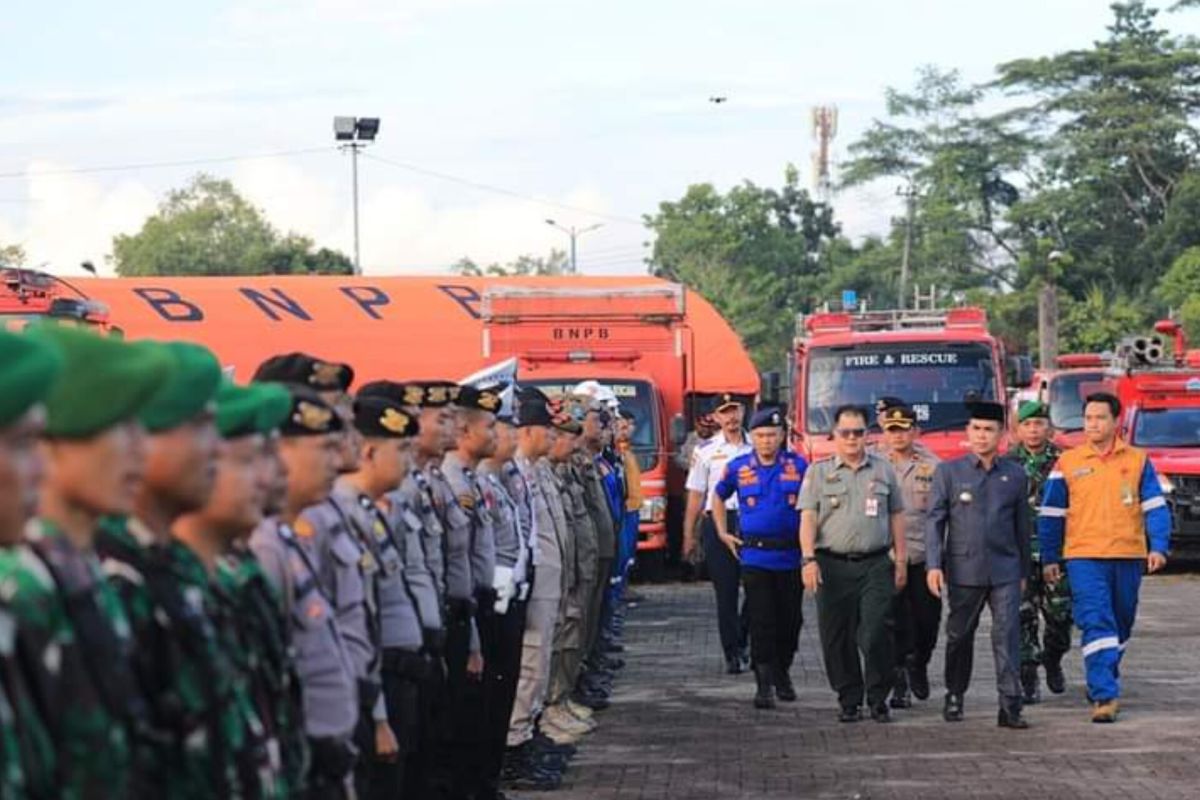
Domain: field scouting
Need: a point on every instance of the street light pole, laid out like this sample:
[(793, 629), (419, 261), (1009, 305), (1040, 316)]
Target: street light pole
[(574, 233), (355, 133)]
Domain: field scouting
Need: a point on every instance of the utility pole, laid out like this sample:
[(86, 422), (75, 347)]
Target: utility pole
[(1048, 315), (574, 233), (909, 194), (354, 134)]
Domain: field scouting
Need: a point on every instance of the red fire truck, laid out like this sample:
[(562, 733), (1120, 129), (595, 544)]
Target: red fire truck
[(1064, 390), (27, 295), (935, 360)]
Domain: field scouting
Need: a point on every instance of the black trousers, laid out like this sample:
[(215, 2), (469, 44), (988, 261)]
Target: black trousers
[(374, 778), (854, 611), (456, 764), (918, 615), (774, 598), (966, 607), (502, 635), (724, 571)]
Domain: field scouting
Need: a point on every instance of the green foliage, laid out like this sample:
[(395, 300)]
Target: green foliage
[(553, 264), (1098, 320), (12, 255), (758, 254), (207, 228)]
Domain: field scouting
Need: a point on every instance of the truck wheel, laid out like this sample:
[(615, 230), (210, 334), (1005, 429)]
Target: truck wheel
[(650, 567)]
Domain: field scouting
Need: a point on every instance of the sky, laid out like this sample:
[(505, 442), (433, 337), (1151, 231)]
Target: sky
[(496, 114)]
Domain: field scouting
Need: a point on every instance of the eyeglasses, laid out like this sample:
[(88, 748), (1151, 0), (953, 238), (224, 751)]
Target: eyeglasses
[(851, 433)]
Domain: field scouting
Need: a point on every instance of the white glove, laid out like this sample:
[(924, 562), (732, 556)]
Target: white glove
[(502, 582)]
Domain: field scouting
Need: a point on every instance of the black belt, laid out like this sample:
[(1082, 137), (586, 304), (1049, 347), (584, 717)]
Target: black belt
[(770, 544), (728, 513), (853, 556)]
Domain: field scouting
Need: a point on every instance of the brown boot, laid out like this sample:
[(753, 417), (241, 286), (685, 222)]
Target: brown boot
[(1105, 712)]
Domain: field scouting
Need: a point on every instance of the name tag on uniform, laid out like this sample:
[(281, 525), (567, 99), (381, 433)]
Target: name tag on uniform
[(872, 506)]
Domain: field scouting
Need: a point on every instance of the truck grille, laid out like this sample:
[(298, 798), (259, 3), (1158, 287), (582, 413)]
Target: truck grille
[(1185, 509)]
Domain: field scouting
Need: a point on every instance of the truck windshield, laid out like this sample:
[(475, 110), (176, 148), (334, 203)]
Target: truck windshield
[(1167, 427), (935, 378), (1065, 395), (637, 397)]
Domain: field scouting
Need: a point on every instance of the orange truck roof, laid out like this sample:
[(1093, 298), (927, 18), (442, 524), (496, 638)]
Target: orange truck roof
[(414, 327)]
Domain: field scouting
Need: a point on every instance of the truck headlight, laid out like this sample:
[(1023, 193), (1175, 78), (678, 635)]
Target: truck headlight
[(1165, 483), (654, 509)]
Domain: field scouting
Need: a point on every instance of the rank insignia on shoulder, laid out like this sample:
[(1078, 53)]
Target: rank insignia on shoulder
[(303, 528)]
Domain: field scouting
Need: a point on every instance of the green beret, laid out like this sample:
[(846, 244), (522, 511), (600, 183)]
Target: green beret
[(246, 410), (1030, 409), (190, 389), (104, 381), (28, 368)]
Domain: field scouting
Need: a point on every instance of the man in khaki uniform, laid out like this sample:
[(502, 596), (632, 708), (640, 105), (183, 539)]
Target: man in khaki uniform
[(918, 613)]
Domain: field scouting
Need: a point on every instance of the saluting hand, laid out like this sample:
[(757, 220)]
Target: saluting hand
[(811, 576)]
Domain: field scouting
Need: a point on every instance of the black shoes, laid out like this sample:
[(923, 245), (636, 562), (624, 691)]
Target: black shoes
[(900, 696), (850, 714), (733, 664), (764, 696), (953, 711), (1055, 680), (880, 712), (918, 680), (784, 689), (1031, 689), (1011, 718)]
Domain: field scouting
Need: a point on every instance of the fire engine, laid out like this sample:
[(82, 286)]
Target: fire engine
[(28, 295), (935, 360), (1063, 390)]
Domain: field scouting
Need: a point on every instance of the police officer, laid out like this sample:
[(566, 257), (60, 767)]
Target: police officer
[(310, 449), (708, 464), (532, 760), (67, 614), (252, 635), (28, 370), (767, 484), (918, 613), (853, 514), (208, 737), (1036, 453), (1105, 518), (977, 545)]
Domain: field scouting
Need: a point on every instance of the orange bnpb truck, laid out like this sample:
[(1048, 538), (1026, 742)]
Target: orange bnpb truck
[(663, 349)]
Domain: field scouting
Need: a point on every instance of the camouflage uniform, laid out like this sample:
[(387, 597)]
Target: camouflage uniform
[(27, 757), (187, 680), (70, 621), (265, 656), (1051, 601)]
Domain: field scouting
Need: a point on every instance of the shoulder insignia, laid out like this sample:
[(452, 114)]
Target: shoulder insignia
[(303, 528)]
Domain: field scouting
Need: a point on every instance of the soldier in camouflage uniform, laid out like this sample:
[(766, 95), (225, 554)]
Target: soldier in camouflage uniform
[(69, 618), (1052, 601), (27, 757), (207, 735)]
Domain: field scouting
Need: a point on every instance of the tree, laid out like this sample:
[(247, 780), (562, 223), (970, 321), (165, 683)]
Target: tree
[(207, 228), (758, 254), (12, 255), (553, 264)]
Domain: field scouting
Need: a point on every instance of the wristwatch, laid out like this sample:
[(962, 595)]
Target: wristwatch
[(806, 560)]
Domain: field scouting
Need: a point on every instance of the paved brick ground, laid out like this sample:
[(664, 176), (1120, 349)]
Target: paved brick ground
[(680, 728)]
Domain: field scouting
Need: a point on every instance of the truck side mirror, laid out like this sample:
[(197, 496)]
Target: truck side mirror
[(770, 383), (679, 431), (1020, 371)]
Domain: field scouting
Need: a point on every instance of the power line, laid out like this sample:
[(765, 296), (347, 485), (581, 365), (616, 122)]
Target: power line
[(192, 162), (485, 187)]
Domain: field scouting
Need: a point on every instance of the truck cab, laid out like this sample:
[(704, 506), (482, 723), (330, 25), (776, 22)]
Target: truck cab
[(27, 295), (935, 360), (1064, 390)]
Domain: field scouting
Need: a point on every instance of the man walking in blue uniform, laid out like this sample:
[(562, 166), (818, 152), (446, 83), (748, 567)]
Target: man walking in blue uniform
[(977, 546), (767, 484)]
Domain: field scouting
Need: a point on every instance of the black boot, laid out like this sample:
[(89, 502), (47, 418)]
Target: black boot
[(1031, 688), (764, 696), (1010, 717), (733, 663), (953, 711), (900, 697), (784, 689), (918, 680), (1055, 680)]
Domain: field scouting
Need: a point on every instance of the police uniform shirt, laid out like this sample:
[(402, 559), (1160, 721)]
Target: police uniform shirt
[(767, 497), (853, 506), (708, 465), (510, 544), (415, 494), (979, 526), (915, 476), (477, 503)]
